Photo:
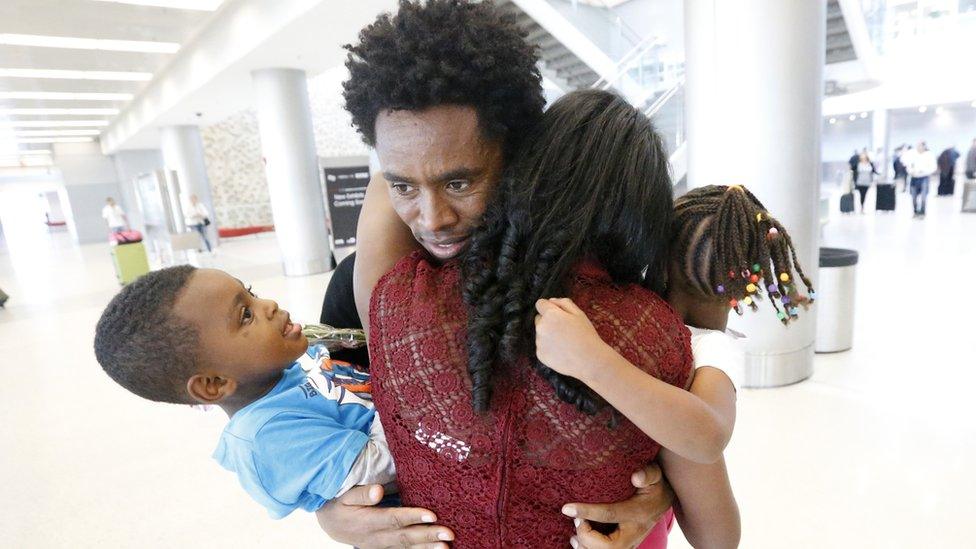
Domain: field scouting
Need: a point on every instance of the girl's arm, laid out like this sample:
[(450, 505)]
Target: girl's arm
[(696, 425), (706, 509), (381, 240)]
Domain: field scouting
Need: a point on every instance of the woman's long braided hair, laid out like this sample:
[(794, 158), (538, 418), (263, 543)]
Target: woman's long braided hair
[(728, 246), (591, 182)]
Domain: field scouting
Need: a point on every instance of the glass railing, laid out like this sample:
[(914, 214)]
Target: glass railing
[(895, 24), (667, 110), (601, 24)]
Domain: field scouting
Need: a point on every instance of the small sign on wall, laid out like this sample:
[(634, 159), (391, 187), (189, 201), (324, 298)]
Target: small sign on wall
[(345, 191)]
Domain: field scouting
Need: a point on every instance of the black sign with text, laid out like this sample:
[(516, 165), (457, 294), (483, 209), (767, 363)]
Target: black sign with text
[(345, 189)]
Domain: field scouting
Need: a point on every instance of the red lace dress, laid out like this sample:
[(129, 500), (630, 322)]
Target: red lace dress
[(500, 479)]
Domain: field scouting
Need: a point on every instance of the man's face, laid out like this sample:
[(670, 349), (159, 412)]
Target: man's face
[(240, 336), (441, 172)]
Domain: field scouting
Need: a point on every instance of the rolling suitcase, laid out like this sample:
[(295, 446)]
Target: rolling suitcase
[(969, 196), (847, 203), (884, 199), (130, 262)]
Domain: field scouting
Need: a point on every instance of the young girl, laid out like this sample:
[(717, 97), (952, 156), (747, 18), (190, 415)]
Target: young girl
[(728, 252)]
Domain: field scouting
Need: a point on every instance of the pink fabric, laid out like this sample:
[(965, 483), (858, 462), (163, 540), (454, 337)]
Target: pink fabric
[(658, 538)]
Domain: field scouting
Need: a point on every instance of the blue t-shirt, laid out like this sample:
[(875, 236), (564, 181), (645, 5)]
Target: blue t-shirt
[(293, 447)]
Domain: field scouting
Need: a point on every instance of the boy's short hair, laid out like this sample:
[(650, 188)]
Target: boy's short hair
[(142, 345)]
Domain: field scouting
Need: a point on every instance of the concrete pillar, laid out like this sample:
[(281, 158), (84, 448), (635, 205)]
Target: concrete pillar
[(182, 150), (291, 164), (754, 73), (880, 140)]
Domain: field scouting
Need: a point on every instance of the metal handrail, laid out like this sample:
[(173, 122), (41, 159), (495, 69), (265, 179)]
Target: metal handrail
[(658, 103), (624, 64)]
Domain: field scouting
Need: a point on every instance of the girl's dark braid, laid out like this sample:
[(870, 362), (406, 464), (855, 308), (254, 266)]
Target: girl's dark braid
[(727, 245)]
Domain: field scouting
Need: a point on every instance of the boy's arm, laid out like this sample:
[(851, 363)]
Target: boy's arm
[(696, 425), (706, 508), (381, 240)]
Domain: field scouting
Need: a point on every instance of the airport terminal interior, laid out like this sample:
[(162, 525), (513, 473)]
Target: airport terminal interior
[(141, 134)]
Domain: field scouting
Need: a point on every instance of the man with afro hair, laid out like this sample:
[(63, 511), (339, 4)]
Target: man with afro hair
[(444, 90)]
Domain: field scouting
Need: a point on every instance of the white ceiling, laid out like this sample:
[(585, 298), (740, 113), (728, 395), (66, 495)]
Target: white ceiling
[(82, 19)]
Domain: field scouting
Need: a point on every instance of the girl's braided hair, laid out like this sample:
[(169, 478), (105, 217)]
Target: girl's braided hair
[(726, 245), (590, 182)]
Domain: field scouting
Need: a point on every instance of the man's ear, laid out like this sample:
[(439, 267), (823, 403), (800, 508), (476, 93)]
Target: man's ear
[(210, 389)]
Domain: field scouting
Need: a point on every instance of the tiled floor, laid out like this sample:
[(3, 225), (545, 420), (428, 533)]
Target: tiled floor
[(876, 450)]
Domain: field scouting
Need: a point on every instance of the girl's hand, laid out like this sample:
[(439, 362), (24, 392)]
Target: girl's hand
[(565, 340)]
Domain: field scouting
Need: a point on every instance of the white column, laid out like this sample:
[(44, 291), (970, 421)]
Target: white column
[(754, 72), (182, 150), (880, 140), (291, 164)]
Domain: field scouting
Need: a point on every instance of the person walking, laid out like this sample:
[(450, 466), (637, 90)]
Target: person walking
[(920, 166), (114, 216), (864, 176), (901, 173), (971, 162), (947, 171), (198, 218)]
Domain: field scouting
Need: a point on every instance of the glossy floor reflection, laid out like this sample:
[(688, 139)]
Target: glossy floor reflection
[(876, 450)]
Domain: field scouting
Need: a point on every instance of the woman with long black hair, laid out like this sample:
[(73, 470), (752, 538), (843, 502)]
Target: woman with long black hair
[(482, 433)]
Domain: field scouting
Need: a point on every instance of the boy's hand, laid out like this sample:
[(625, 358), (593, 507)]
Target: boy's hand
[(565, 340)]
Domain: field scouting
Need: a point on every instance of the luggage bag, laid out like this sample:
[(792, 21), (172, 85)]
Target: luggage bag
[(884, 199), (847, 203), (969, 196)]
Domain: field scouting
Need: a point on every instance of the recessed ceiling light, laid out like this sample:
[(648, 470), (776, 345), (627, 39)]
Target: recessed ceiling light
[(47, 111), (923, 108), (55, 133), (76, 75), (833, 120), (53, 123), (200, 5), (852, 117), (55, 140), (69, 42), (67, 96), (864, 115)]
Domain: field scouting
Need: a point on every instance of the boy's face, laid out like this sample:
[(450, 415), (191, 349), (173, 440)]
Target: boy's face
[(242, 339)]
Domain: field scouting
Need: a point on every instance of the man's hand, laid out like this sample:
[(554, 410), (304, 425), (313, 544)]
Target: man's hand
[(634, 518), (353, 519)]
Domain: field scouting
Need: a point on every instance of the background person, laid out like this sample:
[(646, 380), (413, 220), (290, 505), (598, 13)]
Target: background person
[(864, 176), (971, 162), (901, 173), (947, 171), (114, 216), (920, 166), (198, 218)]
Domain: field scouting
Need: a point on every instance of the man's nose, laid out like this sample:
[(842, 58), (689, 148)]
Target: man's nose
[(436, 213)]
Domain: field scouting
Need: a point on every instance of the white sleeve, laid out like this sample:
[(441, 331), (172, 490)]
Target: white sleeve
[(722, 352), (374, 464)]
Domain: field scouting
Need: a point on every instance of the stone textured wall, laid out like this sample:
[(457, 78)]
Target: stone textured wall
[(232, 149)]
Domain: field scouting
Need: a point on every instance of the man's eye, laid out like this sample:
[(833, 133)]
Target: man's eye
[(401, 188), (458, 185), (246, 315)]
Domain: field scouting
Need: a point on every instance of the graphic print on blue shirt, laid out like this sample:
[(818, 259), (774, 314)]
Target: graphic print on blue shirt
[(293, 447)]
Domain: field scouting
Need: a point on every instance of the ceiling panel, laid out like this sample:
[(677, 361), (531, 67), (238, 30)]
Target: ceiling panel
[(28, 57), (85, 19)]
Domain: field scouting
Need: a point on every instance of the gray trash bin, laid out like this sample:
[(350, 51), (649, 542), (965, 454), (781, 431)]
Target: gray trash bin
[(835, 300)]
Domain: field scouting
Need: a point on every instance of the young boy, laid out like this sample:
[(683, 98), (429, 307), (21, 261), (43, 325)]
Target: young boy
[(295, 439)]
